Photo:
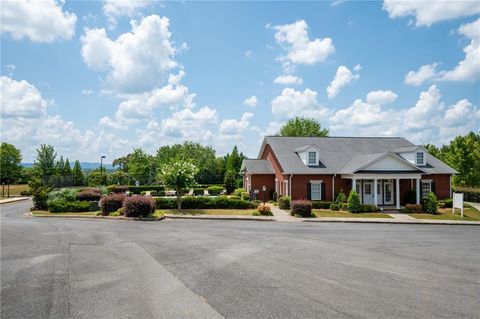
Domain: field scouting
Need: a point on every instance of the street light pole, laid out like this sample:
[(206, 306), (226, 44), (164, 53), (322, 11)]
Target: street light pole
[(101, 169)]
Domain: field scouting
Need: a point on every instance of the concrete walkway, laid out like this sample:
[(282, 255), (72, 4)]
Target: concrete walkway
[(401, 217), (474, 205), (12, 199), (282, 216)]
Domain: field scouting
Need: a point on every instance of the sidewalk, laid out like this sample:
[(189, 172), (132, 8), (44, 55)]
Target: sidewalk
[(474, 205), (282, 216), (12, 199)]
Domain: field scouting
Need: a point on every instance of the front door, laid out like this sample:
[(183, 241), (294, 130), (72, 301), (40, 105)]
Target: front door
[(388, 193), (368, 195)]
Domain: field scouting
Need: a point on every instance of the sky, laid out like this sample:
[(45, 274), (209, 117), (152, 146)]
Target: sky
[(99, 78)]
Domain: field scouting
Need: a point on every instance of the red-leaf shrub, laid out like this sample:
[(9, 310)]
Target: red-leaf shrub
[(111, 203), (302, 208), (89, 195), (264, 210), (138, 206)]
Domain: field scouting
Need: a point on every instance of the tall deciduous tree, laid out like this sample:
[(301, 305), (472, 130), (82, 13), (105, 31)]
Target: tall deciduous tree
[(45, 160), (139, 166), (10, 163), (305, 127), (178, 175)]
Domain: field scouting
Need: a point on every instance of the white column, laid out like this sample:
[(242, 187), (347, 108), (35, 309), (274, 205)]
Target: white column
[(286, 188), (354, 184), (418, 191), (375, 199), (397, 192)]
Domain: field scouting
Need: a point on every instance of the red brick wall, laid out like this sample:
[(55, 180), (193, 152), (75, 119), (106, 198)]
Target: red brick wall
[(299, 185), (258, 180), (268, 154), (442, 184)]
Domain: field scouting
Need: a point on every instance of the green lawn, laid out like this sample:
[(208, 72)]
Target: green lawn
[(15, 190), (207, 211), (47, 213), (469, 213), (341, 213)]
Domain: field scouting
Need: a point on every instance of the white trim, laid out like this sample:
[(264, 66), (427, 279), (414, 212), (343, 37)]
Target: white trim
[(314, 159), (381, 176), (416, 158), (316, 181), (425, 181), (320, 185), (397, 192)]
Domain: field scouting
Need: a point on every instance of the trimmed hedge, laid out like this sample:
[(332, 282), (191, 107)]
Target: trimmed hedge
[(321, 204), (220, 202), (62, 205), (138, 206), (334, 207), (301, 208), (344, 206), (284, 202), (365, 208), (111, 203), (117, 189), (469, 194), (412, 209), (89, 195), (447, 202)]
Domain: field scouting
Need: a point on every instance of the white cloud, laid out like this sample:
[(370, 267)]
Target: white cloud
[(251, 101), (293, 103), (113, 9), (300, 49), (427, 13), (87, 92), (428, 121), (381, 97), (136, 61), (39, 21), (424, 73), (288, 79), (248, 53), (21, 99), (233, 129), (343, 77)]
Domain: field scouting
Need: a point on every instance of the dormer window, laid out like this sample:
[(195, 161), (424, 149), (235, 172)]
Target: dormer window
[(312, 158), (420, 158)]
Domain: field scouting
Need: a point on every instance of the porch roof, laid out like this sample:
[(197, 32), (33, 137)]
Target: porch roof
[(257, 166)]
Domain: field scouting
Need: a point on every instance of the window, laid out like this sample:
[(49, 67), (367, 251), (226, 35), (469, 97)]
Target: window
[(316, 191), (420, 158), (426, 188), (367, 188), (312, 158)]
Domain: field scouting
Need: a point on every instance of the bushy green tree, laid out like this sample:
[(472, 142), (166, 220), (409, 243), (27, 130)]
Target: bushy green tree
[(40, 192), (429, 203), (354, 205), (139, 166), (341, 198), (45, 161), (97, 177), (300, 126), (230, 181), (178, 176), (10, 163)]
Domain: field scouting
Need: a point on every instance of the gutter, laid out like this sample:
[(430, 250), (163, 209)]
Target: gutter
[(290, 186), (333, 188)]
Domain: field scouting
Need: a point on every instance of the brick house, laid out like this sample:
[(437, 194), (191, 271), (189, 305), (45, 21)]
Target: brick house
[(318, 168)]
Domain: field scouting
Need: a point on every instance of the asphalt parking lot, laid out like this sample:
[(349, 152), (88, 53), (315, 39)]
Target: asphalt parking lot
[(72, 268)]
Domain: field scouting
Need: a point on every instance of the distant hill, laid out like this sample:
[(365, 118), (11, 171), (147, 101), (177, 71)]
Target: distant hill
[(85, 165)]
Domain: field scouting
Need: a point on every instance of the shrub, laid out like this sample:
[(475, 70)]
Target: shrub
[(117, 189), (168, 203), (344, 206), (65, 193), (429, 203), (138, 189), (469, 194), (274, 196), (354, 202), (341, 198), (118, 212), (111, 203), (365, 208), (441, 204), (89, 195), (284, 202), (61, 205), (413, 209), (138, 206), (447, 202), (321, 204), (245, 195), (334, 206), (264, 210), (215, 190), (27, 192), (235, 197), (301, 208), (238, 192), (220, 202)]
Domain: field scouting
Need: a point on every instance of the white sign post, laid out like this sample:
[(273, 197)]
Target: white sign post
[(457, 202)]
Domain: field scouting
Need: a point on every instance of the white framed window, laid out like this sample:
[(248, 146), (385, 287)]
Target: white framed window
[(316, 190), (312, 158), (426, 188), (420, 157)]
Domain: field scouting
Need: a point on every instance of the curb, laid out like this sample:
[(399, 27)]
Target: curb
[(218, 217), (390, 222), (13, 200), (29, 214)]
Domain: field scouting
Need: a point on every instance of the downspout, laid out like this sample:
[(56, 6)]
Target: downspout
[(290, 186), (333, 188)]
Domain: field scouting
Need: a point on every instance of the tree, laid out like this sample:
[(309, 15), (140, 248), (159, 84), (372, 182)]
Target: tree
[(10, 163), (97, 177), (78, 176), (202, 156), (67, 170), (138, 166), (233, 164), (122, 163), (230, 181), (45, 160), (40, 192), (300, 126), (178, 176), (59, 166)]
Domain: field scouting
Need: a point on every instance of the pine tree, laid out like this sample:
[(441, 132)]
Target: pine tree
[(77, 172), (59, 166), (67, 170)]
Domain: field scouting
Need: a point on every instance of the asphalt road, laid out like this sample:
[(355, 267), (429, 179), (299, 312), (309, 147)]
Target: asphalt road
[(61, 268)]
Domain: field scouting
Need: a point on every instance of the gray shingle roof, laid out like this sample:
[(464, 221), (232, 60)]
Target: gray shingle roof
[(257, 166), (337, 152)]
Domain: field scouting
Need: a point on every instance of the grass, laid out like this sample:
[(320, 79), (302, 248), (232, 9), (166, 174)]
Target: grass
[(206, 211), (469, 214), (47, 213), (341, 213), (15, 190)]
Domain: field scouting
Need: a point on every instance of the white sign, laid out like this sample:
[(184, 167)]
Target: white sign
[(457, 202)]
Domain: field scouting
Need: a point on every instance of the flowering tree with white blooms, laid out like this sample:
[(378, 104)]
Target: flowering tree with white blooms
[(178, 175)]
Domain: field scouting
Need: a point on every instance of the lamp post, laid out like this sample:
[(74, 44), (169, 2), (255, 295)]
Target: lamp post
[(101, 169), (264, 188)]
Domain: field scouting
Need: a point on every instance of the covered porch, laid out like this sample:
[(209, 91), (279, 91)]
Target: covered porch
[(384, 189)]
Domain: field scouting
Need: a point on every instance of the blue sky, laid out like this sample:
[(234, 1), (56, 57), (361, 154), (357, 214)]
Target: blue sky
[(103, 77)]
